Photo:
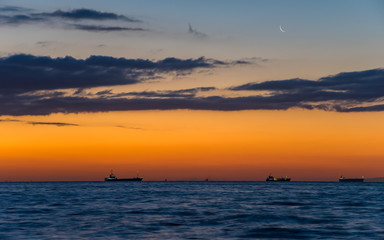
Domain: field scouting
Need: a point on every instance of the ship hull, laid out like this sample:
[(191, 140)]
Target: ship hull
[(124, 180), (279, 180)]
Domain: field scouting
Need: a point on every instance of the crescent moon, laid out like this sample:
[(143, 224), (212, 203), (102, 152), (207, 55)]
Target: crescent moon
[(281, 29)]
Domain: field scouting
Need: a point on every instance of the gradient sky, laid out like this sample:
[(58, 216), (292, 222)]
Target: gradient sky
[(189, 90)]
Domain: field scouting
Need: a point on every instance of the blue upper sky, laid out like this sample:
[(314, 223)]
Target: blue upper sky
[(312, 27), (183, 41)]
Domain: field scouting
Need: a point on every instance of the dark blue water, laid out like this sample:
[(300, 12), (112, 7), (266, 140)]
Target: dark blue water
[(191, 210)]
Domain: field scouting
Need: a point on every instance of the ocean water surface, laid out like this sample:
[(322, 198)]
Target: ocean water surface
[(191, 210)]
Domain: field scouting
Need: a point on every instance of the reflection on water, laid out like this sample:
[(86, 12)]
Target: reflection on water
[(191, 210)]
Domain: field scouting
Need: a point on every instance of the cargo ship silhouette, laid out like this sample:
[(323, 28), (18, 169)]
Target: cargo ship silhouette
[(113, 178), (343, 179), (273, 179)]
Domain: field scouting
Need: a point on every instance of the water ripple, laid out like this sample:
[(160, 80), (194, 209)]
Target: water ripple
[(191, 210)]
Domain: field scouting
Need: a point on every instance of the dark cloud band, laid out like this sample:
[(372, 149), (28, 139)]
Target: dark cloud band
[(100, 28), (24, 73), (87, 14), (364, 86), (31, 85)]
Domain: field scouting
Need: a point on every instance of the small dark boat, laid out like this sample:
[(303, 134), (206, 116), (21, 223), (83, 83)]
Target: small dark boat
[(273, 179), (113, 178), (343, 179)]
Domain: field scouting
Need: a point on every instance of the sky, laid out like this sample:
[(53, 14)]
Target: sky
[(190, 90)]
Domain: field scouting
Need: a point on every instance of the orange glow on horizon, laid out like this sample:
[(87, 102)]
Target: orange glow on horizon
[(192, 145)]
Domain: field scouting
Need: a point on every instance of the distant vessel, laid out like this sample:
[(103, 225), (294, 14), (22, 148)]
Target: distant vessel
[(273, 179), (113, 178), (343, 179)]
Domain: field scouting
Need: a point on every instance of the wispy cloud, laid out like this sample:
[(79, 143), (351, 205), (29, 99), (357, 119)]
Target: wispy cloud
[(100, 28), (196, 33), (104, 92), (130, 128), (13, 9), (19, 19), (58, 124), (182, 93), (9, 120), (86, 19), (44, 43)]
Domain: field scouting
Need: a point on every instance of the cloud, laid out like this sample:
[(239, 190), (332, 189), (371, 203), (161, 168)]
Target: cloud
[(13, 9), (87, 14), (59, 124), (24, 73), (36, 85), (105, 92), (131, 128), (19, 19), (196, 33), (44, 43), (100, 28), (85, 19), (9, 120), (343, 92), (364, 85), (46, 106), (183, 93)]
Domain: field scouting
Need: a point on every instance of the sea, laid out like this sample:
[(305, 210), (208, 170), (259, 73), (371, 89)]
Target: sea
[(191, 210)]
